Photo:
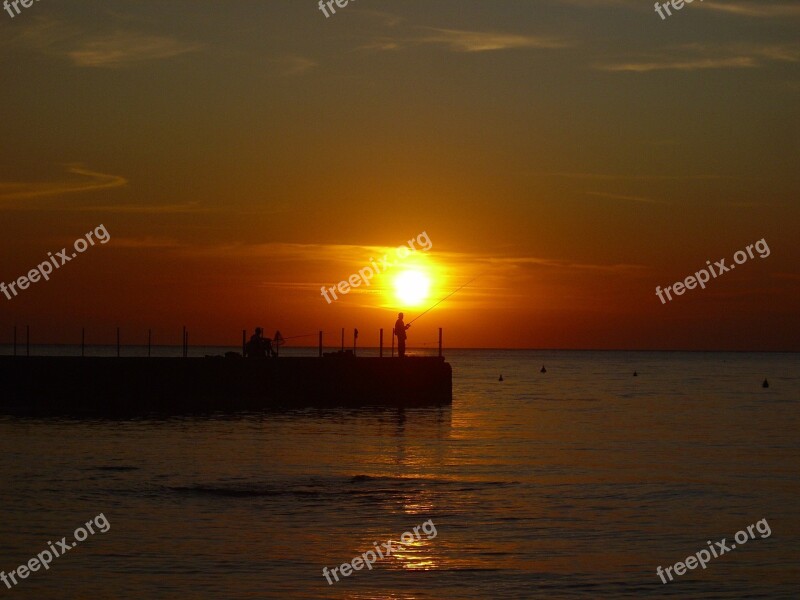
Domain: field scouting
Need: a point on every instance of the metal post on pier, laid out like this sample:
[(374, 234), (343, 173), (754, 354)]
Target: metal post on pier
[(342, 339), (117, 342), (380, 350), (355, 337), (186, 345), (320, 344), (440, 342), (183, 342)]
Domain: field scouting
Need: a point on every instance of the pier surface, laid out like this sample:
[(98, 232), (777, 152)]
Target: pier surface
[(69, 385)]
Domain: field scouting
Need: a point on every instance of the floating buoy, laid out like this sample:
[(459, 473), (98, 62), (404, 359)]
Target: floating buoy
[(766, 383), (501, 377), (542, 370), (635, 374)]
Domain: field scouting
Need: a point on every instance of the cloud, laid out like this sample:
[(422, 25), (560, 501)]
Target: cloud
[(126, 48), (87, 181), (146, 243), (116, 49), (765, 9), (739, 62), (709, 56), (462, 41), (293, 65), (760, 10), (614, 177), (186, 207), (492, 263), (629, 198), (483, 41), (386, 18)]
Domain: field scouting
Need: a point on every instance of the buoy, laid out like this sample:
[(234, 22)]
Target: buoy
[(542, 370), (501, 377), (635, 374), (766, 383)]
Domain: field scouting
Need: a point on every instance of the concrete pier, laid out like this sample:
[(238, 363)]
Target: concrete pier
[(77, 385)]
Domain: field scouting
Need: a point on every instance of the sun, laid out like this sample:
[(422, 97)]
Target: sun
[(411, 287)]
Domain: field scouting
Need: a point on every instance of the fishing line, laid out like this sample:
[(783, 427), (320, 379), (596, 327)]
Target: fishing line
[(446, 297)]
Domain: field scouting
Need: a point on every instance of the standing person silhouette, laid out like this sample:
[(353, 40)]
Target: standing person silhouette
[(400, 332)]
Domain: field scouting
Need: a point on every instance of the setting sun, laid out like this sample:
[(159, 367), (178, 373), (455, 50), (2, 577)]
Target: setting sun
[(411, 287)]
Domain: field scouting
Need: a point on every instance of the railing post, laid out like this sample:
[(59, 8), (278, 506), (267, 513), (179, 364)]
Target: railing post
[(342, 340), (320, 344), (440, 342)]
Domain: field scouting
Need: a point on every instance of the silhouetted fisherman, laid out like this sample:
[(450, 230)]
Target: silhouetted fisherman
[(400, 332), (259, 346)]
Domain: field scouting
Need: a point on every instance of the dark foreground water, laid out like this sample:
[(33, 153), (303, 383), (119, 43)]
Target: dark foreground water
[(577, 483)]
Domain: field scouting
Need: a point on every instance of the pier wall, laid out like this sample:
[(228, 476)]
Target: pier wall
[(177, 385)]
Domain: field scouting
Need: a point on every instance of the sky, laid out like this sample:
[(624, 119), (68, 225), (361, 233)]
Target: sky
[(563, 157)]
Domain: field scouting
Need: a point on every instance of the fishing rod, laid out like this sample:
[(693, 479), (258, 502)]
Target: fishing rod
[(445, 298), (294, 337)]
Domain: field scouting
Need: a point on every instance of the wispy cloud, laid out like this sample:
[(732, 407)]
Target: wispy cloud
[(482, 41), (493, 263), (462, 41), (111, 49), (146, 243), (738, 62), (87, 181), (628, 198), (293, 65), (385, 18), (614, 177), (709, 56), (126, 48), (763, 10), (186, 207)]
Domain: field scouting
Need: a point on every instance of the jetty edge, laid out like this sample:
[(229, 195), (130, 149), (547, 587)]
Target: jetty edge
[(133, 385)]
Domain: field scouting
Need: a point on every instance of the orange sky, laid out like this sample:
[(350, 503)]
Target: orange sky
[(571, 155)]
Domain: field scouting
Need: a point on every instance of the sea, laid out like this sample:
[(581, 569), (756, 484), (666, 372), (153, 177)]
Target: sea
[(577, 482)]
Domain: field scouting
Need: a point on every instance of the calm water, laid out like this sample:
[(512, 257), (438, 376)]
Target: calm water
[(576, 483)]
